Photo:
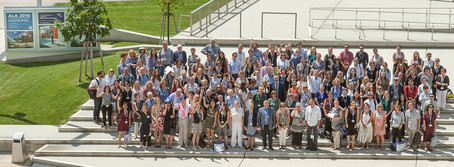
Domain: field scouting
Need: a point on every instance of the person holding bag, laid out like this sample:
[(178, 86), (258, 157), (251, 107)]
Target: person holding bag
[(429, 125), (297, 127), (123, 122)]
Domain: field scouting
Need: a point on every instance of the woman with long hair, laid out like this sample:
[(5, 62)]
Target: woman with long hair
[(169, 124), (124, 122), (366, 129), (210, 113), (429, 125), (156, 79), (157, 113), (352, 117)]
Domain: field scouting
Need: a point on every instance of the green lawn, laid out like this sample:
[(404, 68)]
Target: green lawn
[(145, 16), (44, 93)]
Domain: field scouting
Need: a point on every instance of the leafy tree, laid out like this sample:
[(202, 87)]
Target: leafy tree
[(85, 18), (165, 6)]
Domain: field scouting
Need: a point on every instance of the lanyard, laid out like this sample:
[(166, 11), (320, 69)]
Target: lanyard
[(126, 113), (430, 118)]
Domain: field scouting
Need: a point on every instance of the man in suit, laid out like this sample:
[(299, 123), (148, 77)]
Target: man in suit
[(179, 54), (279, 88), (395, 89), (266, 122)]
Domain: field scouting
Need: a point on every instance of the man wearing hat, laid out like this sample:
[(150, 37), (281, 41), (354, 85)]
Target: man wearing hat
[(179, 54), (395, 89), (143, 54)]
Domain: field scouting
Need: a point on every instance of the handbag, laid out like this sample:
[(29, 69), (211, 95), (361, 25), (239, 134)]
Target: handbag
[(219, 147), (417, 138), (92, 93), (433, 141), (128, 136)]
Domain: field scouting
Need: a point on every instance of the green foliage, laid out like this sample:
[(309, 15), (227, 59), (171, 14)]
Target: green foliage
[(85, 18), (172, 4)]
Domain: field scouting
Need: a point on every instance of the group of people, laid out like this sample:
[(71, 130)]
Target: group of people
[(278, 91)]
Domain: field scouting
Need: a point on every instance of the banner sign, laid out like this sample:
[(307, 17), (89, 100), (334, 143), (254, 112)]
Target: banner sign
[(19, 21), (50, 17)]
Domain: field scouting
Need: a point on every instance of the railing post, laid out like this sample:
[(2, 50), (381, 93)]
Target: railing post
[(408, 31), (219, 14), (359, 32), (240, 24), (426, 19), (384, 30), (312, 36), (432, 32), (190, 22), (449, 18), (296, 23), (310, 17), (261, 27), (356, 19), (236, 5), (206, 28), (226, 7), (403, 12), (379, 18), (332, 21), (335, 31), (200, 18)]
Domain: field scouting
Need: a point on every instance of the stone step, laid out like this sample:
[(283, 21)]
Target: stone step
[(83, 115), (446, 119), (89, 105), (74, 150)]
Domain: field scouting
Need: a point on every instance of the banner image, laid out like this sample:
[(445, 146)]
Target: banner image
[(50, 17), (19, 39), (49, 37), (19, 21)]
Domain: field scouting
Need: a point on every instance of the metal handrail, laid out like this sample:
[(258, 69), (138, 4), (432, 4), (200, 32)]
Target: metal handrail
[(206, 20), (279, 13)]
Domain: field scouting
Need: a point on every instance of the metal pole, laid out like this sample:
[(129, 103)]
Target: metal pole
[(403, 12), (310, 17), (384, 30), (359, 32), (190, 22), (312, 37), (335, 31), (432, 32), (408, 32), (379, 18), (356, 19), (200, 18), (236, 4), (426, 18), (219, 14), (168, 21), (296, 23), (206, 28), (261, 27), (449, 18), (226, 7), (240, 24), (332, 21)]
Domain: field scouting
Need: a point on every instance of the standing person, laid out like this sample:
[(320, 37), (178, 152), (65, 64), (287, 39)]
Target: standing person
[(413, 120), (366, 129), (387, 103), (283, 120), (236, 124), (183, 116), (179, 54), (234, 66), (123, 122), (210, 121), (362, 56), (106, 105), (98, 81), (379, 125), (250, 126), (397, 118), (352, 117), (442, 82), (398, 54), (313, 117), (346, 57), (145, 127), (212, 49), (137, 107), (429, 125), (297, 126), (165, 54), (336, 124), (241, 54), (434, 103), (266, 122), (222, 118), (169, 124), (196, 128), (157, 113)]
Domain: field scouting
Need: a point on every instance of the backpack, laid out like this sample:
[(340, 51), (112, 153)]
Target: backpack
[(311, 145), (417, 138), (92, 93), (202, 143)]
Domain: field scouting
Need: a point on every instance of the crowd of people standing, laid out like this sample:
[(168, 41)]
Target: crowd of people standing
[(278, 91)]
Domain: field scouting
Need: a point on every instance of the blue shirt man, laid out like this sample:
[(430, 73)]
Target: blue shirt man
[(211, 49)]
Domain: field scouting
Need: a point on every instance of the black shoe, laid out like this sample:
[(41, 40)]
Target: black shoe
[(247, 147), (263, 148), (252, 149), (307, 148), (271, 148)]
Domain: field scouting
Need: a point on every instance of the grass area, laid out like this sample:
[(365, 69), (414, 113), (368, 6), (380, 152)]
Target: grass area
[(44, 93), (145, 16), (121, 44)]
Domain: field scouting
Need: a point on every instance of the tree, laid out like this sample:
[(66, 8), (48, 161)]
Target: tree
[(87, 18), (165, 6)]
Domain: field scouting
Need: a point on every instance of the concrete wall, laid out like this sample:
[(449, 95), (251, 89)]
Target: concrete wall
[(120, 35)]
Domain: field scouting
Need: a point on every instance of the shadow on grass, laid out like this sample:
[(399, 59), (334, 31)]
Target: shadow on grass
[(84, 85), (18, 116)]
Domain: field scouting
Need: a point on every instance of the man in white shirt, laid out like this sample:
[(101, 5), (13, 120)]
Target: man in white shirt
[(98, 81), (191, 86), (371, 101), (234, 66), (314, 82), (358, 67), (241, 55), (110, 79), (313, 116)]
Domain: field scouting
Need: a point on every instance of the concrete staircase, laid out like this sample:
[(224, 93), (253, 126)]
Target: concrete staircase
[(80, 137)]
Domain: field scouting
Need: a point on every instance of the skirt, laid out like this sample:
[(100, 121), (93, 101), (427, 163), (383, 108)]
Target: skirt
[(209, 121), (365, 134), (196, 128), (122, 125), (351, 130), (428, 134)]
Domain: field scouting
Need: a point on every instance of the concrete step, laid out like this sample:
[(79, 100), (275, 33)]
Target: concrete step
[(74, 150), (446, 119), (89, 105), (82, 115)]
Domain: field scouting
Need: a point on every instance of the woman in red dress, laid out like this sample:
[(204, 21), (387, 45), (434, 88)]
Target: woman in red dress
[(123, 122), (429, 124)]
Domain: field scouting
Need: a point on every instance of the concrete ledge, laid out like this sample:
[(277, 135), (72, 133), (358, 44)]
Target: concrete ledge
[(120, 35), (52, 162)]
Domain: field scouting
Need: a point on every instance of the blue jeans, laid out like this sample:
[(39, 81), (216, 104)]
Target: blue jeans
[(310, 130), (97, 108)]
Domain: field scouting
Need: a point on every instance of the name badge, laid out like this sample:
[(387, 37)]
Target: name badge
[(107, 105), (259, 105), (148, 116), (353, 121), (266, 119), (126, 122), (200, 122), (430, 125), (250, 123), (127, 97)]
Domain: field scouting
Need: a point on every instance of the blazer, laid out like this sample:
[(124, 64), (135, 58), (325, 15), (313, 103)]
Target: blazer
[(391, 90), (261, 118), (342, 103), (246, 119), (175, 57), (281, 93)]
